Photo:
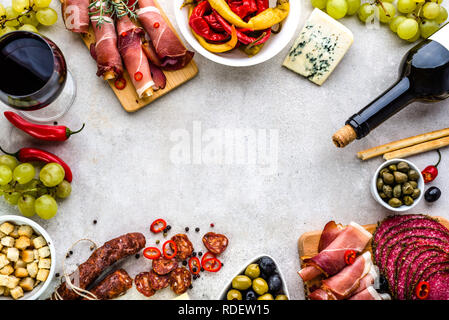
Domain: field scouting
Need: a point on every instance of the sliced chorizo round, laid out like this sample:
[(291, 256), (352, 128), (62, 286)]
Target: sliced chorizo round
[(158, 282), (142, 281), (183, 245), (215, 243), (180, 280), (164, 266)]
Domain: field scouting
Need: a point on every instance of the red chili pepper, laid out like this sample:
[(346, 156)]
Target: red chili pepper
[(422, 290), (38, 131), (350, 256), (123, 34), (262, 5), (34, 154), (206, 256), (151, 253), (201, 27), (138, 76), (194, 269), (213, 23), (120, 83), (173, 247), (212, 265), (431, 172), (156, 25), (158, 225)]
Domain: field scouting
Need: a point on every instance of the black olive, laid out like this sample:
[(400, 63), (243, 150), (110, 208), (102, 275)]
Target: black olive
[(274, 283), (250, 295), (383, 284), (267, 266), (432, 194)]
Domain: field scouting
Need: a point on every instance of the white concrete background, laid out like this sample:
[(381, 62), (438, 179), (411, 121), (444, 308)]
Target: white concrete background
[(123, 176)]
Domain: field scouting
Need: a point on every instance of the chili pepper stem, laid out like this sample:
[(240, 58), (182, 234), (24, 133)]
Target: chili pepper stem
[(8, 153), (69, 132), (439, 158)]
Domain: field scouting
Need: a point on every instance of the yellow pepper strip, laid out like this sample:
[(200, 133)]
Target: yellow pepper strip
[(216, 48), (264, 20)]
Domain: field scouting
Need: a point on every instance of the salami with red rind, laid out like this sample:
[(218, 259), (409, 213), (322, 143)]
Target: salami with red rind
[(180, 280), (391, 222), (215, 243), (439, 285), (142, 281), (158, 282), (113, 285), (164, 266), (435, 265), (184, 246)]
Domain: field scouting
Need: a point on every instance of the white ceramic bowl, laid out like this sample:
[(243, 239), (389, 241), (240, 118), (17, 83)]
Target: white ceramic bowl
[(375, 193), (40, 289), (237, 58), (242, 271)]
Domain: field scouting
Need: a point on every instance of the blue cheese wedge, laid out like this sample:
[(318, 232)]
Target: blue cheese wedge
[(321, 45)]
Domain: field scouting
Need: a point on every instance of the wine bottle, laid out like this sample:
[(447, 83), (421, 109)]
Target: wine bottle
[(424, 76)]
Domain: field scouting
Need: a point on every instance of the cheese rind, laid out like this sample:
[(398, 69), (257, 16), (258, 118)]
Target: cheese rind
[(321, 45)]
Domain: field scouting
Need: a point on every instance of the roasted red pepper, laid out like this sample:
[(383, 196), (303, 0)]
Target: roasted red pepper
[(170, 244), (422, 290), (212, 265), (431, 172), (38, 131), (350, 256), (34, 154), (158, 225), (200, 25), (213, 23), (262, 5), (152, 253), (194, 265)]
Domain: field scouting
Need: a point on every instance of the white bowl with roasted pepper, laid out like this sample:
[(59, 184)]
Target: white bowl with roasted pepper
[(397, 185), (26, 258)]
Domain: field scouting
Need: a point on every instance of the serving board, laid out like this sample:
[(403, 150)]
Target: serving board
[(128, 96), (308, 247)]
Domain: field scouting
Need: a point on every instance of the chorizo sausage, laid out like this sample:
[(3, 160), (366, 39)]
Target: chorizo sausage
[(113, 285), (164, 266), (142, 281), (158, 282), (180, 280), (111, 252), (184, 246), (215, 243)]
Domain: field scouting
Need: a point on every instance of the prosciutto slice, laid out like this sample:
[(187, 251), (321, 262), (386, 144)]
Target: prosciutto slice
[(169, 49), (330, 232), (105, 50), (370, 294), (130, 48), (331, 260), (348, 280), (76, 15), (320, 294), (371, 279)]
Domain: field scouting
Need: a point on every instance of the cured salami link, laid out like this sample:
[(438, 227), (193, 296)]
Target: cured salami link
[(180, 280), (111, 252), (113, 285), (164, 266), (158, 282), (142, 281), (215, 243), (184, 246)]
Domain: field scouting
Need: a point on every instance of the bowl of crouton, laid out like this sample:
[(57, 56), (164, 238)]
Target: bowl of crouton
[(26, 258)]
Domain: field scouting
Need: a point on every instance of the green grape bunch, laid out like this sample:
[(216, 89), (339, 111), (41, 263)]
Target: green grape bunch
[(26, 15), (20, 187), (409, 19)]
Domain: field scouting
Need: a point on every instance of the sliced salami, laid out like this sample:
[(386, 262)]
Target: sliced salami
[(180, 280), (390, 222), (158, 282), (215, 243), (142, 281), (164, 266), (184, 246), (439, 285), (433, 265)]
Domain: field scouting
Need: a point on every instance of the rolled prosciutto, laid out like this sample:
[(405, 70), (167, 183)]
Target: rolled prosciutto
[(105, 50), (348, 280), (76, 15), (371, 279), (130, 48), (370, 294), (331, 260), (169, 49)]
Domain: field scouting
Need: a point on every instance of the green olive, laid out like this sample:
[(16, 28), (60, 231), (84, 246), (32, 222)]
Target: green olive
[(395, 202), (413, 175), (379, 184), (388, 190), (383, 195), (403, 166), (392, 167), (408, 201), (241, 283), (266, 296), (252, 271), (384, 170), (400, 177), (260, 286), (416, 193), (414, 184), (397, 191), (234, 295), (281, 297), (388, 178), (407, 189)]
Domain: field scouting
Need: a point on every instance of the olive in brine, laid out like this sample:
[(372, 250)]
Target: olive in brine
[(388, 191), (416, 193), (384, 170), (281, 297), (241, 282), (408, 201), (432, 194), (403, 166), (397, 191), (414, 184), (260, 286), (407, 189), (413, 175), (252, 271), (388, 178), (267, 265), (379, 184), (395, 202), (383, 195), (234, 295), (400, 177), (392, 167), (250, 295), (266, 296), (274, 283)]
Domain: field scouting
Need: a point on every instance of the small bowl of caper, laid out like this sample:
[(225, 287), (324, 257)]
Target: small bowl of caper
[(397, 185)]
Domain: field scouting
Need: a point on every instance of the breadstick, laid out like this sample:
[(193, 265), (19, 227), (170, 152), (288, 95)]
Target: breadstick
[(418, 148), (400, 144)]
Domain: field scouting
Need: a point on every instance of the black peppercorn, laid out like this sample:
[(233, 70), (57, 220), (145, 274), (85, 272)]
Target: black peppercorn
[(197, 229), (137, 256), (184, 263), (187, 229), (200, 254)]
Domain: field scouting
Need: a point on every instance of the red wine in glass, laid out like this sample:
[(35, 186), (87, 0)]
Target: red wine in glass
[(35, 76)]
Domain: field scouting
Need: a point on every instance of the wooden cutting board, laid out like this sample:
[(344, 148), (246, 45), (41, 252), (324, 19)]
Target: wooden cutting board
[(128, 96), (308, 247)]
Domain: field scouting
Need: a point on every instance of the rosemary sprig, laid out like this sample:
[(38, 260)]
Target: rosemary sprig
[(99, 9), (121, 8)]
